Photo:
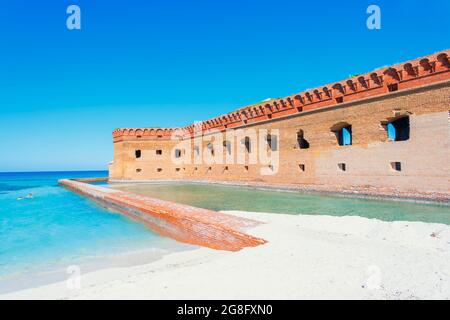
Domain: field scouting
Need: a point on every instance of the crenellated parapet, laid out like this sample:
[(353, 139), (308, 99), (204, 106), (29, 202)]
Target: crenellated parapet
[(124, 134), (415, 73)]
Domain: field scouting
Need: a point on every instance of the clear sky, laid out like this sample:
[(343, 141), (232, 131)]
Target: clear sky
[(170, 63)]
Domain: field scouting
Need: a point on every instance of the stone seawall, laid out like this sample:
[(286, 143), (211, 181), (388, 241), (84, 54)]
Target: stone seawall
[(178, 221)]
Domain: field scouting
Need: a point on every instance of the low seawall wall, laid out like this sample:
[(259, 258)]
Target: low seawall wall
[(181, 222)]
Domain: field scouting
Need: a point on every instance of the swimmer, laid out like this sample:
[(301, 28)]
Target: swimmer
[(28, 196)]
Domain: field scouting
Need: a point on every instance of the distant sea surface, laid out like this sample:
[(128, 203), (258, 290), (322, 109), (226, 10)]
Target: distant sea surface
[(41, 237)]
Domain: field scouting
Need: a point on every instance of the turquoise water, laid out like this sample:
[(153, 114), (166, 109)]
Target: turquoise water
[(40, 237), (216, 197), (57, 228)]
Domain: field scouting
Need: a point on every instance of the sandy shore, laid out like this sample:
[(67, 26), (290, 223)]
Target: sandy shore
[(307, 257)]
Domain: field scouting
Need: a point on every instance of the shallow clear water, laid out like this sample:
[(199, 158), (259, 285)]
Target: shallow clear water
[(57, 228), (216, 197)]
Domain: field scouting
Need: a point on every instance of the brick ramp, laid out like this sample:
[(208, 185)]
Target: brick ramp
[(178, 221)]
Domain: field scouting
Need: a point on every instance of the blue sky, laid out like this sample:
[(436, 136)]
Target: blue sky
[(169, 63)]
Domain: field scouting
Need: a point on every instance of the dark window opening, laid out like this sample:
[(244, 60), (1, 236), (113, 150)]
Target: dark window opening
[(339, 99), (177, 169), (225, 168), (209, 169), (177, 153), (392, 87), (137, 153), (227, 146), (397, 166), (138, 170), (246, 168), (302, 142), (398, 130), (344, 136), (342, 166), (301, 167), (248, 144), (159, 152), (211, 148), (272, 142), (159, 136), (159, 170), (138, 137)]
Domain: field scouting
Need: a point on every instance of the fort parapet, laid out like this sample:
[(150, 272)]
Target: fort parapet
[(412, 97)]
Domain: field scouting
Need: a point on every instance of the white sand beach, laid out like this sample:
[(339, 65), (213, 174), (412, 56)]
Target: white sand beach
[(307, 257)]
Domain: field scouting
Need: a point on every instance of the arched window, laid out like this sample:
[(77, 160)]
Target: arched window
[(302, 142), (343, 132), (272, 142), (248, 145), (197, 150), (345, 136), (398, 130), (227, 146), (210, 148)]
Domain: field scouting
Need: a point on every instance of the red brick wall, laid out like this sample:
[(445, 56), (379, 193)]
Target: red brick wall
[(424, 95)]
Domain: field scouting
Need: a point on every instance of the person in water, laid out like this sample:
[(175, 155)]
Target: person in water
[(29, 196)]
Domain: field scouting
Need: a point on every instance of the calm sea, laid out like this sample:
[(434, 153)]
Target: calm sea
[(42, 236)]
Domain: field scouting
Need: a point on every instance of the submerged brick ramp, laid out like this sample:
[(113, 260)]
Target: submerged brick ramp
[(178, 221)]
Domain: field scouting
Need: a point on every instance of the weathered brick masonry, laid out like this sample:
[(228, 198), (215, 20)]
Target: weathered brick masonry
[(181, 222), (418, 166)]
